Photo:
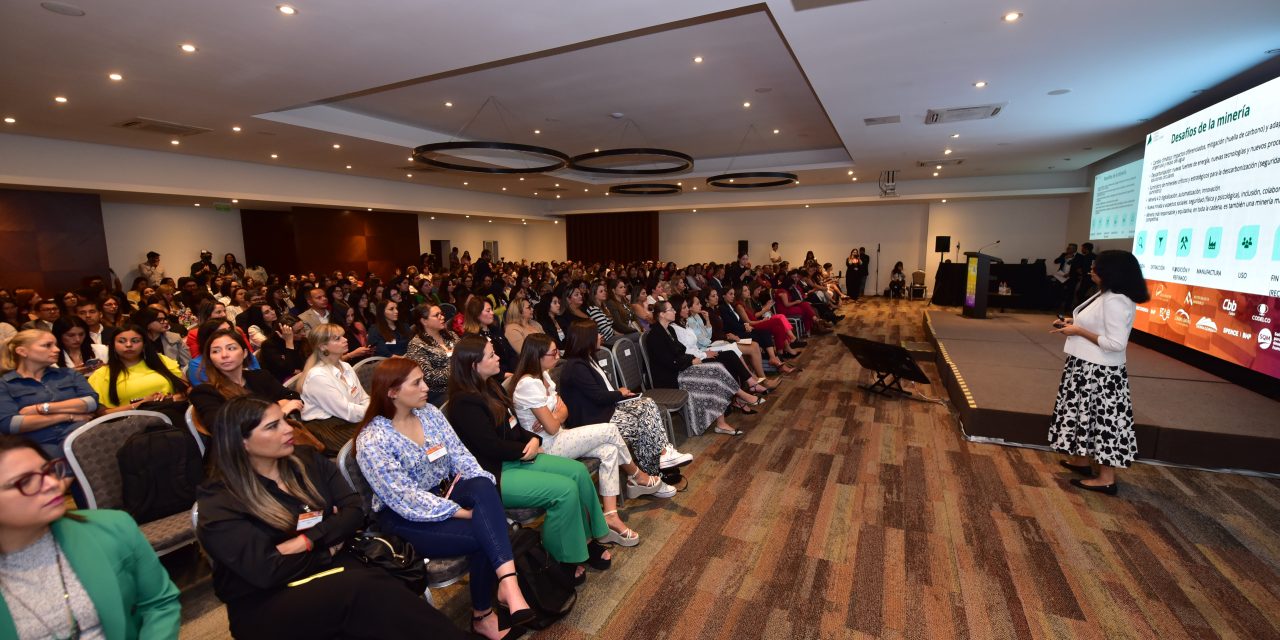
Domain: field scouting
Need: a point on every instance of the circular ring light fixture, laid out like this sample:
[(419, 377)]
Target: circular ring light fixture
[(424, 154), (765, 179), (645, 189), (682, 161)]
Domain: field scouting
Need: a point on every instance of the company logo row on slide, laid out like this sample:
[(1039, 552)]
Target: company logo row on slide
[(1208, 244)]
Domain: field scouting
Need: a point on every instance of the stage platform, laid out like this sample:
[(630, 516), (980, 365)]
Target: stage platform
[(1003, 372)]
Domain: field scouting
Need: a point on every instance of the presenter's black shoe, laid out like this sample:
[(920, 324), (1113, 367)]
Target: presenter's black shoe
[(1109, 489), (1079, 469)]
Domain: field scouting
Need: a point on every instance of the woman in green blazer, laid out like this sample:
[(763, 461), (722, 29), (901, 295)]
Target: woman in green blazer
[(72, 574)]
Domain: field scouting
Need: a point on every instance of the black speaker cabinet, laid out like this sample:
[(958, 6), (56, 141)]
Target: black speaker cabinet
[(942, 244), (742, 247)]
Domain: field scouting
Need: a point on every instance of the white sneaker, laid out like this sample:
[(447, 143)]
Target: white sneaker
[(664, 491), (672, 458)]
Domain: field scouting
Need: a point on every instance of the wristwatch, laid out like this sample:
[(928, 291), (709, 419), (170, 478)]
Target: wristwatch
[(44, 409)]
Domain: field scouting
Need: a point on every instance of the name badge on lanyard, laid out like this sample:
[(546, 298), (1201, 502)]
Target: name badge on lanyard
[(308, 519), (435, 452)]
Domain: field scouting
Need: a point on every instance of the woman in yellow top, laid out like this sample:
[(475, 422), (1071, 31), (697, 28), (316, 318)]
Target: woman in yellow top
[(135, 374)]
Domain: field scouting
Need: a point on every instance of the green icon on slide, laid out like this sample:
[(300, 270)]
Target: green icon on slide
[(1247, 244), (1140, 245), (1212, 242), (1184, 243), (1161, 236)]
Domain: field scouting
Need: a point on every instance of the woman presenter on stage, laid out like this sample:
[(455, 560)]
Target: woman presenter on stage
[(1093, 415)]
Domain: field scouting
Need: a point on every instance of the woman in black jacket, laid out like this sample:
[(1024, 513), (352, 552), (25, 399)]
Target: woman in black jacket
[(591, 399), (480, 413), (711, 387), (273, 520)]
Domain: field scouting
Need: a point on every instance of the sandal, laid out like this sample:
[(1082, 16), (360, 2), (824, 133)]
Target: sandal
[(626, 537), (729, 432), (595, 556), (520, 616), (512, 632), (571, 570)]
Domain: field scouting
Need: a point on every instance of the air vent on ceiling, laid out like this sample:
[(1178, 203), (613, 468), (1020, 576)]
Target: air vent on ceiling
[(888, 184), (871, 122), (962, 114), (161, 127), (944, 163)]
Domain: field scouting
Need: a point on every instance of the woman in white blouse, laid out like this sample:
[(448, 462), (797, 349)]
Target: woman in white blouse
[(540, 411), (333, 400), (1093, 414)]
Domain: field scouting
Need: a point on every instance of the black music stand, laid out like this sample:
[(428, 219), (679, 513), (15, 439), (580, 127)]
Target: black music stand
[(890, 363)]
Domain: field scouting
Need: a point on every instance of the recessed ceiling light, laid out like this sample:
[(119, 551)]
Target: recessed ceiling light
[(490, 221), (10, 121), (348, 166), (980, 84), (851, 172), (1012, 16), (235, 129), (939, 167), (944, 201), (286, 9), (234, 201), (115, 76), (955, 135), (468, 217), (197, 204), (695, 210), (695, 188), (557, 222), (935, 174), (369, 209), (433, 217), (557, 196), (777, 131), (806, 206), (525, 223), (855, 178), (408, 175), (679, 184), (746, 105), (730, 179), (596, 150), (60, 99), (557, 184), (465, 183), (63, 9), (447, 104), (521, 178), (535, 193), (175, 142), (537, 131), (274, 156), (188, 47), (946, 152), (697, 59), (504, 188), (337, 146), (585, 190)]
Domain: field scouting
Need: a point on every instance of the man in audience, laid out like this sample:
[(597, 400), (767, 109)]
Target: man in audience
[(774, 256), (204, 268), (91, 313), (189, 293), (484, 266), (317, 312), (715, 278), (152, 270), (46, 313), (1062, 278)]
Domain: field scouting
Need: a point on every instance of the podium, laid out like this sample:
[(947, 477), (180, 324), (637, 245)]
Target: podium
[(977, 282)]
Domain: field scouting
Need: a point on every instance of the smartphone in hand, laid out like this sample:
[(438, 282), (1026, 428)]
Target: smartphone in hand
[(1060, 322)]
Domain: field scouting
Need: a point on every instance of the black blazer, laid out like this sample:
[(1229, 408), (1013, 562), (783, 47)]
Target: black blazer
[(260, 383), (490, 441), (732, 322), (246, 563), (588, 399), (667, 357), (549, 326)]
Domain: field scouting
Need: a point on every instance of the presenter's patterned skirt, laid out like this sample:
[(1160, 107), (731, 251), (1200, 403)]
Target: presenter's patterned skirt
[(1093, 415)]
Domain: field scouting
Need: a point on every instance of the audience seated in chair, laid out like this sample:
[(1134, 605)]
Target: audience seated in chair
[(39, 400), (136, 374)]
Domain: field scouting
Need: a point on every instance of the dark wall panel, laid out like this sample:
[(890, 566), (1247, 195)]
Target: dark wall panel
[(313, 239), (50, 241), (600, 237)]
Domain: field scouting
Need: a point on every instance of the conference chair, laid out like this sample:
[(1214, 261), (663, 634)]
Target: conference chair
[(91, 451), (441, 572), (632, 366), (364, 371), (604, 358), (917, 288), (195, 433)]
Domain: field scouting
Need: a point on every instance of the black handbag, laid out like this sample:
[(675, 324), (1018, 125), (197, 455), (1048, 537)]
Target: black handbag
[(393, 555)]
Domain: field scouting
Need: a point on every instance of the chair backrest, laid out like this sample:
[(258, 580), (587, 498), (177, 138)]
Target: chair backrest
[(91, 450), (626, 356), (917, 277), (644, 357), (351, 473), (294, 383), (191, 426), (364, 371), (604, 358), (449, 311)]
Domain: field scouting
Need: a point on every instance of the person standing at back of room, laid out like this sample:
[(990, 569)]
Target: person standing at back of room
[(1093, 413), (774, 256)]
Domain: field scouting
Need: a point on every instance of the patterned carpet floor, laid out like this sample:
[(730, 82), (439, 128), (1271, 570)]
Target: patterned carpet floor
[(840, 515)]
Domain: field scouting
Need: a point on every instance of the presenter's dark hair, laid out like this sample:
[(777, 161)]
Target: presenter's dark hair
[(1118, 271)]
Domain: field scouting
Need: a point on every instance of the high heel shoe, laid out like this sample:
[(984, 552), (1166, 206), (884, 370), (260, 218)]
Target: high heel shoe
[(519, 616), (626, 537)]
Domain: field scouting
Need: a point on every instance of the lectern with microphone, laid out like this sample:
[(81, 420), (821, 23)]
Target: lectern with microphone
[(976, 283)]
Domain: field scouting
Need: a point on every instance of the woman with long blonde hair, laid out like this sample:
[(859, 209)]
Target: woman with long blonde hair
[(333, 401)]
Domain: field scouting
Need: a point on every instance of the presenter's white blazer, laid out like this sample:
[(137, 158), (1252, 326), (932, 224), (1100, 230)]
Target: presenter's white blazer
[(1110, 315)]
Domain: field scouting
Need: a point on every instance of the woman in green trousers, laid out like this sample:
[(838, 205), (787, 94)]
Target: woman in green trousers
[(480, 412)]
